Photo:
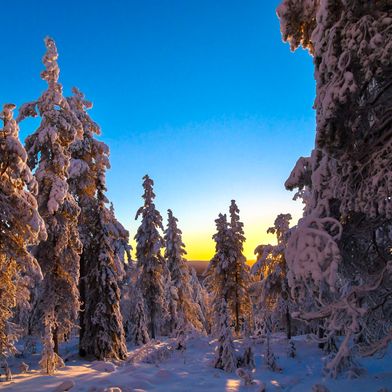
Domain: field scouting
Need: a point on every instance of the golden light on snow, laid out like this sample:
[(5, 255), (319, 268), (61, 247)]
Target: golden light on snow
[(232, 385)]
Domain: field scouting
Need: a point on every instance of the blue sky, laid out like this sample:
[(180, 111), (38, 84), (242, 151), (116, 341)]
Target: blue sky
[(201, 95)]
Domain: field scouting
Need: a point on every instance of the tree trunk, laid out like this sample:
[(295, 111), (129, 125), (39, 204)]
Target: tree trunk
[(82, 294), (237, 306), (56, 341), (152, 324), (321, 335), (288, 323)]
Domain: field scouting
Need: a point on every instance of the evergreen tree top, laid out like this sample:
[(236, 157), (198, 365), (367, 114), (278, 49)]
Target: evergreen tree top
[(281, 226), (52, 72), (173, 238), (54, 94), (148, 232), (172, 220), (52, 98), (221, 234), (48, 147), (234, 211), (148, 210), (90, 157), (236, 226), (172, 226), (148, 194)]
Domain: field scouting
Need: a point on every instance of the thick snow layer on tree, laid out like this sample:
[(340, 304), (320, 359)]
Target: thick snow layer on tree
[(48, 151), (191, 370), (227, 275), (339, 255), (20, 226), (187, 312), (153, 274)]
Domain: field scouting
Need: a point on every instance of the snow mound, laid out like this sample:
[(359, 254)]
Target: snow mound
[(103, 366), (163, 374), (64, 386), (319, 388)]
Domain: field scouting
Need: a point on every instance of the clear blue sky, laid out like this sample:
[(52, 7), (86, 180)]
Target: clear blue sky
[(201, 95)]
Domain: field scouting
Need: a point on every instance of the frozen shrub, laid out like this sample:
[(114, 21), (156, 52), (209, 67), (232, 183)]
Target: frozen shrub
[(245, 375)]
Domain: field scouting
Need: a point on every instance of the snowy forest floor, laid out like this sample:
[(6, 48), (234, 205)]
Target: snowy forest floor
[(191, 370)]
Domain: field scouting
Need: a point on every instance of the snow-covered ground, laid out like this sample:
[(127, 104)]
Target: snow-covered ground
[(191, 371)]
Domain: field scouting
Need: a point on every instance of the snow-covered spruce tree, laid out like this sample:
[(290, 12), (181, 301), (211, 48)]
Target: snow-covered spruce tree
[(216, 274), (247, 359), (50, 361), (238, 298), (227, 275), (49, 155), (150, 261), (247, 377), (274, 301), (174, 319), (186, 308), (20, 226), (104, 334), (120, 246), (136, 324), (200, 297), (269, 356), (340, 251), (225, 357), (8, 291), (101, 331), (292, 350)]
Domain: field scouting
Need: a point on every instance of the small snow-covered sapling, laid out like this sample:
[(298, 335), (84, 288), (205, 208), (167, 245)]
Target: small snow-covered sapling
[(245, 375), (24, 367), (292, 351), (7, 372), (270, 359), (247, 359), (181, 340)]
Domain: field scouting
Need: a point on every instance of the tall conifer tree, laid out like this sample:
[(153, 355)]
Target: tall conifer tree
[(20, 226), (101, 332), (225, 357), (238, 299), (217, 271), (275, 301), (188, 311), (151, 263), (49, 155), (339, 253), (227, 275)]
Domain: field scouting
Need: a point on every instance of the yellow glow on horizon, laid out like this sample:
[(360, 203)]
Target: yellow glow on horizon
[(200, 246)]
